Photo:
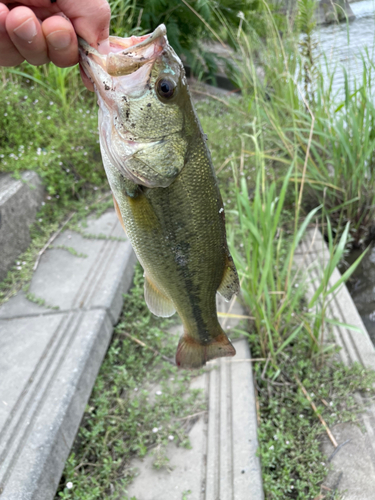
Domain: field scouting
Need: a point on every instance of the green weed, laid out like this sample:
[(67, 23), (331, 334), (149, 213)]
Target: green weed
[(41, 302), (63, 84), (71, 250), (263, 245), (36, 134)]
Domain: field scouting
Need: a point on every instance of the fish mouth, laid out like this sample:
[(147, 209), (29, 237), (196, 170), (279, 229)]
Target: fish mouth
[(125, 56)]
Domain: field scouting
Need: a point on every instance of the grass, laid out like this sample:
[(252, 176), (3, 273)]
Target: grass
[(292, 336), (36, 133), (138, 405), (300, 120)]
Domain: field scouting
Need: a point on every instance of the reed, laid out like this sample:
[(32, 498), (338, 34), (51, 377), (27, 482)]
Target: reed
[(263, 241), (288, 88)]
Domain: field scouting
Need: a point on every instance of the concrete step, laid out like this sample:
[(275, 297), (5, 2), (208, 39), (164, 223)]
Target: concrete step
[(50, 354), (353, 472), (20, 200)]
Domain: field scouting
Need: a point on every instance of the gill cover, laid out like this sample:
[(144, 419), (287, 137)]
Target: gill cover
[(140, 96)]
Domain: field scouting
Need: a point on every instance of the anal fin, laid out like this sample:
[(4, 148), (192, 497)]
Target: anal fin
[(156, 301), (230, 284)]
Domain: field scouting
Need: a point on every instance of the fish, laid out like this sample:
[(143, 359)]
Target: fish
[(164, 187)]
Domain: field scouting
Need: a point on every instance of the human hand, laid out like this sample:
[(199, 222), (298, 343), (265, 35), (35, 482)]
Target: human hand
[(46, 30)]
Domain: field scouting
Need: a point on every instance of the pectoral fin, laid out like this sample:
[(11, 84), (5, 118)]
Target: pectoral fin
[(229, 285), (156, 301)]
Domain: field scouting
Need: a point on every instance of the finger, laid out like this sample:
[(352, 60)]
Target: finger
[(9, 55), (26, 33), (61, 41), (91, 21)]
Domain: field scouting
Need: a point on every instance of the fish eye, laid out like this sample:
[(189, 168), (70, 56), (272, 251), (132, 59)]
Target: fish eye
[(166, 88)]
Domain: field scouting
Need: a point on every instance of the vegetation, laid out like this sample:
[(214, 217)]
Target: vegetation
[(290, 433), (288, 152), (35, 131)]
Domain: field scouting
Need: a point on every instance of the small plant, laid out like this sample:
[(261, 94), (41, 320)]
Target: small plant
[(125, 19), (36, 134), (341, 167), (38, 300), (63, 84), (264, 259)]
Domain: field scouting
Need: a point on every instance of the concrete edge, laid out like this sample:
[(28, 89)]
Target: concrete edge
[(355, 345)]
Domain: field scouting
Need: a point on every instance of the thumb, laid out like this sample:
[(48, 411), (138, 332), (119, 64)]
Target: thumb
[(91, 22)]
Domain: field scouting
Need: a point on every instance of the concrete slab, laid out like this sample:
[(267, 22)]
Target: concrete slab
[(353, 464), (50, 358), (353, 471), (20, 200), (222, 463)]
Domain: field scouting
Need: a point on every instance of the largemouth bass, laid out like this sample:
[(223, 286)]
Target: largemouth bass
[(164, 187)]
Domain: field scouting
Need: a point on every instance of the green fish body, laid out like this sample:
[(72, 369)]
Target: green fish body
[(164, 187)]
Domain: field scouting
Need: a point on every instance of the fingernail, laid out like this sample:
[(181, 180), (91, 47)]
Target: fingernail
[(27, 30), (103, 46), (59, 39)]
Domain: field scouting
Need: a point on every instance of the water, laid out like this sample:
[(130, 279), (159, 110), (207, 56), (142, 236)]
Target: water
[(342, 45)]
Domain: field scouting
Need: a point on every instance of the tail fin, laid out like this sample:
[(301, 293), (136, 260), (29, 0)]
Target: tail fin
[(191, 354)]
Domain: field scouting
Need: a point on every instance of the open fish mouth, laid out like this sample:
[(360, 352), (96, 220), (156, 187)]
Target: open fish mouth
[(126, 55)]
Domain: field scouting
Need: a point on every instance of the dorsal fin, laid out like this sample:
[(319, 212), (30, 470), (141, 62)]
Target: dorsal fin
[(230, 284), (156, 301)]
